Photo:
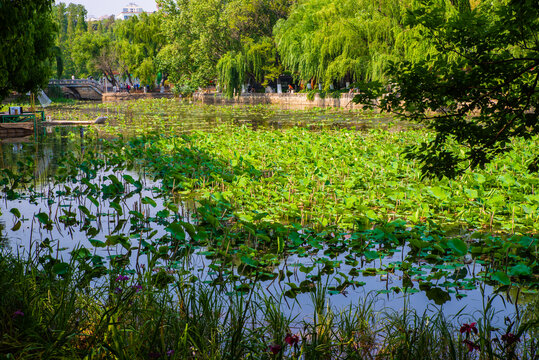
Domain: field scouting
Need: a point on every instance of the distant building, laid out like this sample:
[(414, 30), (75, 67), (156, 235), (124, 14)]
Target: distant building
[(129, 11), (106, 17), (90, 18)]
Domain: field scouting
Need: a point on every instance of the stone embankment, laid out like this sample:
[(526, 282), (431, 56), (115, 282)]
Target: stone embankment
[(122, 96), (297, 100), (284, 100)]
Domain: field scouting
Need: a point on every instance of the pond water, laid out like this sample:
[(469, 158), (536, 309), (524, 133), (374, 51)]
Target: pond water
[(174, 117), (138, 219)]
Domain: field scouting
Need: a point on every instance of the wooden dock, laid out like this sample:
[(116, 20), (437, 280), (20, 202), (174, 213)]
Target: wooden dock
[(67, 123), (22, 124), (28, 123), (98, 121), (8, 130)]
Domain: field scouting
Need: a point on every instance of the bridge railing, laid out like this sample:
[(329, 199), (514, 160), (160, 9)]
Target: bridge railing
[(77, 82)]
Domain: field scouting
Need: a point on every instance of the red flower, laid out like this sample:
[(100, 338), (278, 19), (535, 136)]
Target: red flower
[(274, 349), (468, 328), (291, 339), (471, 345)]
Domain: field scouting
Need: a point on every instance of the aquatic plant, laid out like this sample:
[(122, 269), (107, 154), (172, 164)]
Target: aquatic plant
[(225, 227)]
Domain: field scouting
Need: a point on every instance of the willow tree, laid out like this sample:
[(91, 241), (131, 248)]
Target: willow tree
[(256, 62), (253, 57), (26, 49), (333, 40), (138, 40), (231, 70)]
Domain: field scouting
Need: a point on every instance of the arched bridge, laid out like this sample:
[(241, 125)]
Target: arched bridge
[(81, 89)]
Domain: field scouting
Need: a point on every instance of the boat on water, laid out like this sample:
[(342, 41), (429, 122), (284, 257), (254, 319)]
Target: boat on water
[(18, 123)]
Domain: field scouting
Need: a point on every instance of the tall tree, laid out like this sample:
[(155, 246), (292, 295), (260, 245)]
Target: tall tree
[(252, 56), (477, 88), (26, 50), (76, 19), (198, 38), (334, 40), (94, 54), (138, 41), (71, 23)]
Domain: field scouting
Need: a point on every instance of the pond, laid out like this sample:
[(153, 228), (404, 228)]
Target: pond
[(178, 117), (258, 199)]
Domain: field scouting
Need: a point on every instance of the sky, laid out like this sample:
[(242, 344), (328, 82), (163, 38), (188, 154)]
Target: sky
[(98, 8)]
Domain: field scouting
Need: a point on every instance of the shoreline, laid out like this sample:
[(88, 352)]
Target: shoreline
[(284, 99)]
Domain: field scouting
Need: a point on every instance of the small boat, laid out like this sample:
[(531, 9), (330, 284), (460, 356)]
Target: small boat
[(17, 123)]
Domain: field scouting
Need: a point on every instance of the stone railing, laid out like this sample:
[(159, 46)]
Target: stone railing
[(78, 83)]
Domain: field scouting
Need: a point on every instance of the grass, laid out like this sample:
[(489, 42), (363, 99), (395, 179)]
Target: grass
[(44, 315)]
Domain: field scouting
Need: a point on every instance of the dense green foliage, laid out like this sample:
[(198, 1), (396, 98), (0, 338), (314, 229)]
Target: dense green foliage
[(118, 50), (71, 21), (195, 43), (138, 41), (254, 42), (479, 86), (199, 37), (254, 59), (26, 46), (330, 41), (228, 40)]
